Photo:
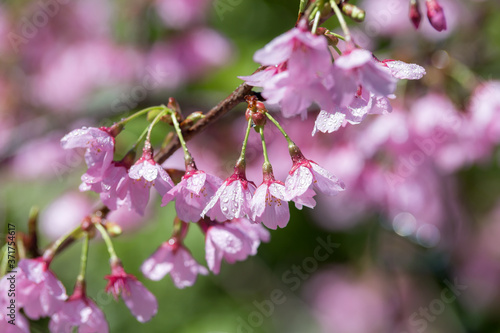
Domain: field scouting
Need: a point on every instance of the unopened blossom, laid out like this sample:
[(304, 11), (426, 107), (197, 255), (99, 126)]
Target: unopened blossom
[(268, 203), (414, 13), (435, 14), (232, 199), (230, 240), (306, 178), (140, 301), (38, 292), (174, 259), (192, 194), (81, 312)]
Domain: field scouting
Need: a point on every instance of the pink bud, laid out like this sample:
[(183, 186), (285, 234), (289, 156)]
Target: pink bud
[(415, 14), (435, 14)]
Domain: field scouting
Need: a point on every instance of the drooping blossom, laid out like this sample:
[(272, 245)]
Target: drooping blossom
[(232, 199), (299, 61), (81, 312), (231, 240), (99, 144), (140, 301), (38, 292), (435, 14), (305, 178), (130, 187), (192, 193), (173, 258), (359, 68), (268, 203), (21, 324)]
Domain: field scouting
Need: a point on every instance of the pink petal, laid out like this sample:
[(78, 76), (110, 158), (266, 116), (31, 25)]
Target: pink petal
[(140, 301)]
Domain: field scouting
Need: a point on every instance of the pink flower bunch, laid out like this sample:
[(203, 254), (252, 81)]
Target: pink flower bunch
[(38, 292), (300, 71), (118, 182)]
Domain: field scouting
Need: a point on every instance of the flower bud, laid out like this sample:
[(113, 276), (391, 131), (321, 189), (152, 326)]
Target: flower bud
[(415, 14), (435, 14), (355, 13)]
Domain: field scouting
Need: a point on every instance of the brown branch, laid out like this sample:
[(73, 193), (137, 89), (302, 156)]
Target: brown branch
[(236, 97)]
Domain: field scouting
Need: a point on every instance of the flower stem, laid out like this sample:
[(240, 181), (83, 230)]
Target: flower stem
[(275, 122), (155, 121), (245, 141), (83, 258), (141, 137), (52, 250), (264, 147), (342, 22), (107, 240), (138, 114), (187, 154), (316, 21)]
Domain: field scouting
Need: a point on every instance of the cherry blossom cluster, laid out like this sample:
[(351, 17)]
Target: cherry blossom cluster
[(299, 71)]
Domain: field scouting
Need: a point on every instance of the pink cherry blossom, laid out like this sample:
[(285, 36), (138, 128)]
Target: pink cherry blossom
[(39, 292), (269, 205), (306, 53), (361, 68), (300, 61), (79, 311), (140, 301), (21, 324), (192, 194), (435, 14), (134, 190), (174, 259), (231, 240), (255, 231), (306, 177), (232, 199), (100, 146)]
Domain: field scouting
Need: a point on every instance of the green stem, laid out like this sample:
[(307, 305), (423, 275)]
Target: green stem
[(337, 49), (107, 240), (83, 258), (316, 21), (141, 137), (337, 35), (264, 147), (138, 114), (245, 141), (275, 122), (187, 155), (155, 121), (3, 262), (342, 22), (52, 250)]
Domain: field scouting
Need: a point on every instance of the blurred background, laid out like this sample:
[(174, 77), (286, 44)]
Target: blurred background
[(410, 246)]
